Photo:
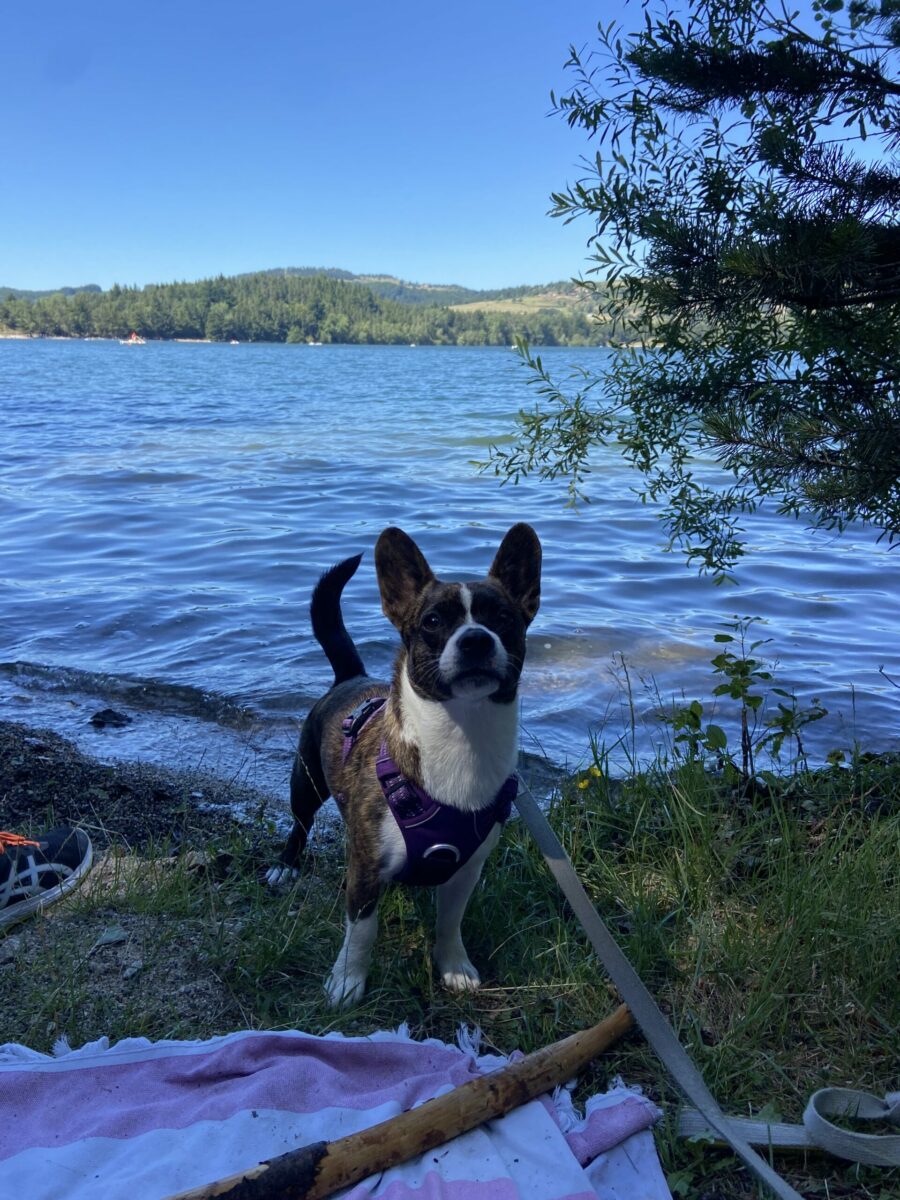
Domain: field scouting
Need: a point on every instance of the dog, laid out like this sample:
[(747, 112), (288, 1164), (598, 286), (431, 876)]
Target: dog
[(422, 769)]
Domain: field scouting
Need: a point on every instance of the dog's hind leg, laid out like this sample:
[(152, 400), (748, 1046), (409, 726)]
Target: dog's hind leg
[(347, 981), (457, 972), (308, 792)]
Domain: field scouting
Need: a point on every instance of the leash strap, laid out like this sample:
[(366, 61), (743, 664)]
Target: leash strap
[(819, 1133), (656, 1028), (874, 1149)]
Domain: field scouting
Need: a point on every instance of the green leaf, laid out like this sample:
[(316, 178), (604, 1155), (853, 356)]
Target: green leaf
[(715, 737)]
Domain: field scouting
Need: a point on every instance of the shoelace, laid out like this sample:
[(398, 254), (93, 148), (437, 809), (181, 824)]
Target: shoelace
[(14, 839)]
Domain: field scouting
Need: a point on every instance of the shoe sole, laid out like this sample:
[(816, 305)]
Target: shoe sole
[(26, 908)]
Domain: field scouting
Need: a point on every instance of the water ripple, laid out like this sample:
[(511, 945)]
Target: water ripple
[(164, 515)]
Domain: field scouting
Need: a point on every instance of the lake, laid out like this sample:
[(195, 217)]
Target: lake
[(166, 509)]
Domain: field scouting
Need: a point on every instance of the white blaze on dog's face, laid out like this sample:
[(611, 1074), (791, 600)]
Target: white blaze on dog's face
[(474, 660), (463, 641)]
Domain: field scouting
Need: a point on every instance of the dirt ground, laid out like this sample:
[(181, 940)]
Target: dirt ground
[(135, 958), (46, 780)]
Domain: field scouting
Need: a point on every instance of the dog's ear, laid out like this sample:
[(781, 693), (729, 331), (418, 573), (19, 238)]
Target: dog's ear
[(517, 565), (402, 574)]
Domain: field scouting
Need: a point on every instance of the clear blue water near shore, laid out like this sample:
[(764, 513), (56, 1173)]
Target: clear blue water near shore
[(166, 509)]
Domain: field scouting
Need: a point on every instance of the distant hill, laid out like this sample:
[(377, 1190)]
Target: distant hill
[(562, 294), (308, 304), (7, 293)]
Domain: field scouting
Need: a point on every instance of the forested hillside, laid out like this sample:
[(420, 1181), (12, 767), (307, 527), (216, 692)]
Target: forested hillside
[(296, 305), (9, 293), (565, 293)]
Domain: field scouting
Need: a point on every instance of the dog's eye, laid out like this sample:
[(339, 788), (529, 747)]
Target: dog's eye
[(432, 621), (494, 617)]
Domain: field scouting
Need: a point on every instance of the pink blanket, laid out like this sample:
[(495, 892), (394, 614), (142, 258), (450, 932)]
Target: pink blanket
[(142, 1120)]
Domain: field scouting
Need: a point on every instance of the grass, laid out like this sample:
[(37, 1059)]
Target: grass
[(529, 305), (766, 927)]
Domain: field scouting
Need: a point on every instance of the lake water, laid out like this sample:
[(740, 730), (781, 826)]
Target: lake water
[(166, 509)]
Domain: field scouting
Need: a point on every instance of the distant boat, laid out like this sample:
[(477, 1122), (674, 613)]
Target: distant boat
[(234, 342), (134, 340)]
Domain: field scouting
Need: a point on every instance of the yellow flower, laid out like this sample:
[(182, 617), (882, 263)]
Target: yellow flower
[(596, 772), (583, 783)]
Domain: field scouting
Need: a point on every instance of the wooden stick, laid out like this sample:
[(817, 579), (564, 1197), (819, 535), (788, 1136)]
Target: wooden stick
[(316, 1171)]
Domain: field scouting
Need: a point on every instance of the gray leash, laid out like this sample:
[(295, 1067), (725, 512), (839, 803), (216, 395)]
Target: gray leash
[(656, 1028), (819, 1133)]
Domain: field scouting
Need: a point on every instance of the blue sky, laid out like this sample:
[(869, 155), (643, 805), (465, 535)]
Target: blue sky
[(174, 141)]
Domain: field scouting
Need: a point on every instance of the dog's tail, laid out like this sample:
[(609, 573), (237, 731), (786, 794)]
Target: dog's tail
[(328, 623)]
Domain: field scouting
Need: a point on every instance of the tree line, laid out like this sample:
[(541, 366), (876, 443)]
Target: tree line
[(270, 307)]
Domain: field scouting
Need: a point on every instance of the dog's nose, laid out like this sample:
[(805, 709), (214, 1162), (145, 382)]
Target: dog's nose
[(475, 644)]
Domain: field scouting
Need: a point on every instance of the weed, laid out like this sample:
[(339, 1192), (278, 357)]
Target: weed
[(762, 728)]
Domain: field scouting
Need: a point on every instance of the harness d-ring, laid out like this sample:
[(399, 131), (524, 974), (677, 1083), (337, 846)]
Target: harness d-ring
[(440, 846)]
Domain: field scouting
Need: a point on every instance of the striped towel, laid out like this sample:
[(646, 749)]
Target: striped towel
[(141, 1120)]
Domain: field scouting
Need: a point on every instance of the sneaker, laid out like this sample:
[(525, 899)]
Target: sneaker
[(35, 873)]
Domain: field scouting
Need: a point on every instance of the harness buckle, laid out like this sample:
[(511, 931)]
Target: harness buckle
[(354, 721)]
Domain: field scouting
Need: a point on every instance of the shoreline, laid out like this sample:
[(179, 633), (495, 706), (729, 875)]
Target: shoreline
[(143, 802), (46, 779), (12, 335)]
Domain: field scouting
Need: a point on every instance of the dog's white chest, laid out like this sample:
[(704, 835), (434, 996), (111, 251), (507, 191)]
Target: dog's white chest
[(467, 748)]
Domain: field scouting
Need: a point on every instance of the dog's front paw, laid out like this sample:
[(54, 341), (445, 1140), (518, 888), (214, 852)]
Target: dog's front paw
[(458, 974), (344, 989), (281, 876)]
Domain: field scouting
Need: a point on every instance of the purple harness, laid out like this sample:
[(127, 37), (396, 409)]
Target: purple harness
[(439, 838)]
